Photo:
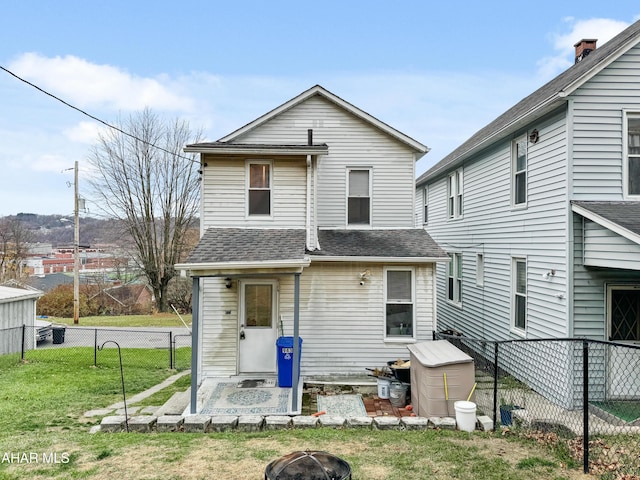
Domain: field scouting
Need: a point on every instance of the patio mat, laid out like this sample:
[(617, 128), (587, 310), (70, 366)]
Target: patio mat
[(342, 405), (227, 399)]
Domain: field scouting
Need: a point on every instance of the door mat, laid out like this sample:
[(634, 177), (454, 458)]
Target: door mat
[(227, 399), (342, 405), (257, 383)]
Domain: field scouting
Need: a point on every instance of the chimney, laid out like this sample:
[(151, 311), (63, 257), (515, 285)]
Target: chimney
[(584, 47)]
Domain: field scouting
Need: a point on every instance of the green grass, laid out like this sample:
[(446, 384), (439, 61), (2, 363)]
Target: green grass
[(42, 402), (155, 320)]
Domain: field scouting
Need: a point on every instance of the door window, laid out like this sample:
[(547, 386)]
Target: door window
[(258, 306)]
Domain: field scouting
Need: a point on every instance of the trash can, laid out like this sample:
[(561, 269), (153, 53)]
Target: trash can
[(284, 346), (58, 335)]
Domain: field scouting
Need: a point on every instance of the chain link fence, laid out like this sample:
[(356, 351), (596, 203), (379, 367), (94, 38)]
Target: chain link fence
[(164, 348), (576, 394)]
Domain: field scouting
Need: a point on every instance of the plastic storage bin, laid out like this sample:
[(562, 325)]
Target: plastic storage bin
[(284, 346)]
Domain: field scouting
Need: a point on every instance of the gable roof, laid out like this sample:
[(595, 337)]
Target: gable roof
[(542, 101), (622, 218), (352, 109)]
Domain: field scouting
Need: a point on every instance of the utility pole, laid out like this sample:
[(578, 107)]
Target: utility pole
[(76, 249)]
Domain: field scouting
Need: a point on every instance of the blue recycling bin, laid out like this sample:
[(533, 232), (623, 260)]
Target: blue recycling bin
[(284, 346)]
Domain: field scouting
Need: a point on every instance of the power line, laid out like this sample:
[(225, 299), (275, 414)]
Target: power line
[(93, 117)]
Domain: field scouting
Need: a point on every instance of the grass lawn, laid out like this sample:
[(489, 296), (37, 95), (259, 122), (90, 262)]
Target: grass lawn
[(42, 425), (155, 320)]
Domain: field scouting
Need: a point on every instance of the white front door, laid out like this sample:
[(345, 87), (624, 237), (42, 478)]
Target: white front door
[(258, 326), (623, 310)]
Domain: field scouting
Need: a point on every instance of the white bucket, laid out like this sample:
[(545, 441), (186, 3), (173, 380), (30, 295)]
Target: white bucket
[(465, 415), (383, 388)]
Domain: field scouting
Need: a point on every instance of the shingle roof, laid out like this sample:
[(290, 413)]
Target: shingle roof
[(220, 245), (543, 95), (625, 214), (377, 243)]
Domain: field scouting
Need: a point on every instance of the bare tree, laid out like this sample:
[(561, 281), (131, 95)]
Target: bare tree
[(15, 237), (153, 191)]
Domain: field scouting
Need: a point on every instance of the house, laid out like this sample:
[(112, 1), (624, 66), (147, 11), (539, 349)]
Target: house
[(540, 212), (307, 230), (130, 299)]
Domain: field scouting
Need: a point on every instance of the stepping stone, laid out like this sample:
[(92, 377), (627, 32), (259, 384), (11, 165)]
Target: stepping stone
[(142, 423), (150, 410), (223, 423), (360, 422), (387, 423), (250, 423), (196, 423), (130, 410), (305, 421), (98, 412), (169, 423), (277, 422), (176, 405), (113, 424), (415, 423), (95, 429)]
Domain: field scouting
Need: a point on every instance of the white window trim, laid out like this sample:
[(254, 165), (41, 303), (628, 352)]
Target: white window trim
[(404, 339), (514, 166), (248, 164), (425, 205), (625, 153), (358, 226), (455, 179), (516, 330), (455, 262), (480, 269)]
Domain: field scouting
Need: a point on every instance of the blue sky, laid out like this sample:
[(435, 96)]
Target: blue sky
[(437, 71)]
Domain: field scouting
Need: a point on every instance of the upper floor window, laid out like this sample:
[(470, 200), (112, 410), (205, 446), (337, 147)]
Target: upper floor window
[(399, 302), (425, 212), (454, 194), (454, 277), (359, 197), (259, 191), (633, 154), (519, 169), (519, 298)]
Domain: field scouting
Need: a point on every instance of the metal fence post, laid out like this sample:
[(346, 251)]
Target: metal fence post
[(495, 385), (585, 404), (95, 347), (22, 348), (170, 352)]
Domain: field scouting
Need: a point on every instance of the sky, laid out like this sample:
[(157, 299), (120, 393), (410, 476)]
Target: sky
[(436, 71)]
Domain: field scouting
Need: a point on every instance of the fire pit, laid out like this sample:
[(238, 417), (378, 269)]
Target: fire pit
[(308, 465)]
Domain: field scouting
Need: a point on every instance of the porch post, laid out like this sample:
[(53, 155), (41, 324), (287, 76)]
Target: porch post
[(195, 305), (296, 335)]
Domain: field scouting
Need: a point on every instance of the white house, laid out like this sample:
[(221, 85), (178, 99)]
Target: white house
[(540, 212), (308, 231)]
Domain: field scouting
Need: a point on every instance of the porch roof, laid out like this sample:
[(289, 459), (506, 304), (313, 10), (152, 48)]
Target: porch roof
[(622, 218)]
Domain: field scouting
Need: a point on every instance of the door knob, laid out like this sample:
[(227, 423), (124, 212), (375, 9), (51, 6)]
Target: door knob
[(242, 335)]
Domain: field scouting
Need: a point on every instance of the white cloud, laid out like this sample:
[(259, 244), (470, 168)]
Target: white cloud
[(84, 132), (87, 84), (602, 29)]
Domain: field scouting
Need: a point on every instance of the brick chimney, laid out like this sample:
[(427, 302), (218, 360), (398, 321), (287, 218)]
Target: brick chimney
[(584, 47)]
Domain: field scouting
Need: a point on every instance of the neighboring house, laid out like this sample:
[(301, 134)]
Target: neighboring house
[(307, 228), (124, 300), (540, 212), (17, 308)]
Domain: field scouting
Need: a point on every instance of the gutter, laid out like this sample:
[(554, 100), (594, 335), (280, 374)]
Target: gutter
[(370, 259)]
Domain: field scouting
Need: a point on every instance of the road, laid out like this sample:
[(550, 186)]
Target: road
[(128, 337)]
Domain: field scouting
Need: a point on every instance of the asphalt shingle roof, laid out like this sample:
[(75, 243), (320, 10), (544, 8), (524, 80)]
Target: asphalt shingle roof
[(220, 245), (625, 214), (377, 243)]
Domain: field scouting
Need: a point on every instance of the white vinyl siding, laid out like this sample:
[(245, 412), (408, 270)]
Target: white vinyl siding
[(604, 248), (353, 143), (225, 192)]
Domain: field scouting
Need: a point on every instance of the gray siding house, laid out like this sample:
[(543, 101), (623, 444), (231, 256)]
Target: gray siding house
[(308, 231), (540, 212)]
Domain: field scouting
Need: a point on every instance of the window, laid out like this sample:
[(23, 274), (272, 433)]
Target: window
[(259, 195), (519, 168), (399, 295), (425, 217), (454, 193), (454, 286), (633, 155), (480, 269), (359, 197), (519, 279)]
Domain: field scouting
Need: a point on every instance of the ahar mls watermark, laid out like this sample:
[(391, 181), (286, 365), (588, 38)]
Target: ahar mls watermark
[(47, 458)]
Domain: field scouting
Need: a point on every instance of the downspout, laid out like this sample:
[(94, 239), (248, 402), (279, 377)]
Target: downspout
[(569, 232), (315, 204), (195, 329), (309, 167)]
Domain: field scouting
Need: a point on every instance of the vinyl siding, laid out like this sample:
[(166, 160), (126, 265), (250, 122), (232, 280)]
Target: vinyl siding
[(225, 194), (598, 142), (352, 143), (604, 248), (492, 227)]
